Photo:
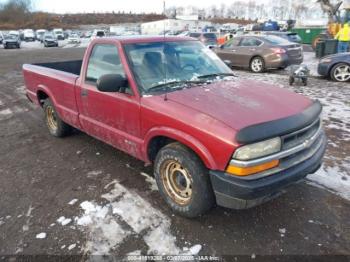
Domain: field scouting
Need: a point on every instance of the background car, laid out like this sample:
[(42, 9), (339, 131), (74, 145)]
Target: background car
[(39, 34), (1, 38), (337, 67), (50, 40), (28, 35), (259, 53), (11, 41), (58, 33), (292, 37), (16, 33), (97, 33), (74, 38)]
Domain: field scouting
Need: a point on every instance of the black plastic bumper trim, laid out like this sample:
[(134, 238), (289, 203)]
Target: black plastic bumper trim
[(236, 188), (279, 127)]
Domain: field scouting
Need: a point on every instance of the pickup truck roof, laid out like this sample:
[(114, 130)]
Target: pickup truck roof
[(145, 39)]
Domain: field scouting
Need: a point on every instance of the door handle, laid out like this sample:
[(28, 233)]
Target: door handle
[(84, 92), (252, 49), (233, 50)]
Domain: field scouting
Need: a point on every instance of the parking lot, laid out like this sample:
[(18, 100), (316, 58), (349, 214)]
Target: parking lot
[(80, 196)]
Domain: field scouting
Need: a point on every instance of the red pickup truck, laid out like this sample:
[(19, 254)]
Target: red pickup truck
[(170, 101)]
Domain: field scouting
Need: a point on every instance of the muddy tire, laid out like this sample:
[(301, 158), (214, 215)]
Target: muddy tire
[(183, 181), (291, 80), (305, 81), (54, 123), (257, 65)]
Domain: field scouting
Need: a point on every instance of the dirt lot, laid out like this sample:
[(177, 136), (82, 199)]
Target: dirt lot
[(79, 196)]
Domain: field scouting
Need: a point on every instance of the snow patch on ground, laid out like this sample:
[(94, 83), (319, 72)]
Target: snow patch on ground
[(41, 235), (6, 112), (332, 179), (64, 221), (149, 179), (72, 246), (95, 173), (127, 213), (72, 202)]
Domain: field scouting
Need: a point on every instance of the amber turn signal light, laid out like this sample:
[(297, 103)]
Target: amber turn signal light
[(246, 171)]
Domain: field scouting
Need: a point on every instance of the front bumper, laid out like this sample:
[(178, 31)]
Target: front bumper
[(11, 44), (239, 193), (323, 69), (51, 43), (282, 61)]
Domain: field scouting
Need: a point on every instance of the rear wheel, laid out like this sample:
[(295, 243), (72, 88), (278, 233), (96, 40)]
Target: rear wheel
[(54, 123), (304, 80), (257, 64), (291, 80), (183, 181), (340, 72)]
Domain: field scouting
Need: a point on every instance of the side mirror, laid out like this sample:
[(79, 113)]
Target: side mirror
[(111, 83), (228, 63)]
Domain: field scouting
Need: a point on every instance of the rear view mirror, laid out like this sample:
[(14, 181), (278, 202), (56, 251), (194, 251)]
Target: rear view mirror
[(111, 83), (228, 63)]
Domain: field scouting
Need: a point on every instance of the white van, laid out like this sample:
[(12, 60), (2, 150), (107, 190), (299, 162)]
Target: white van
[(58, 33), (28, 35)]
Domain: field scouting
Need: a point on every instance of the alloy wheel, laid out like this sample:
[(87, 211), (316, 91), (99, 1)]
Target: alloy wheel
[(342, 73)]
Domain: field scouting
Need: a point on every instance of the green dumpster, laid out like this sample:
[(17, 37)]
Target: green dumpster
[(331, 46), (320, 49), (308, 34)]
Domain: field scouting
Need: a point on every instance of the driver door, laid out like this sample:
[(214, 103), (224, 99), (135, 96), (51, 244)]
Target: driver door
[(113, 117), (228, 51)]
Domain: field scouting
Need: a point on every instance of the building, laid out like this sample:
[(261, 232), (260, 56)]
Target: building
[(173, 26)]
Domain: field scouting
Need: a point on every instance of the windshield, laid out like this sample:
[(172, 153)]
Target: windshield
[(294, 37), (159, 63), (10, 37), (195, 35), (209, 36), (276, 40)]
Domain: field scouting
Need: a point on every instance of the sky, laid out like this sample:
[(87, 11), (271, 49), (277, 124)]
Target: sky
[(75, 6)]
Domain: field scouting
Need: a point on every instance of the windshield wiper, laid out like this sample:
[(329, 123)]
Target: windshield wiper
[(168, 86), (215, 75)]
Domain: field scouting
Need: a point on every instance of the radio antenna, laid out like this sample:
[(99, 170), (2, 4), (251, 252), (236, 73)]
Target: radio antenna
[(164, 62)]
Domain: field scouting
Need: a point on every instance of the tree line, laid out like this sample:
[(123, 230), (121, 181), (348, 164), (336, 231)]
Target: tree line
[(16, 14)]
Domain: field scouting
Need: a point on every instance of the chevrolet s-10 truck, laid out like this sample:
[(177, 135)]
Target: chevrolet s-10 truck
[(212, 137)]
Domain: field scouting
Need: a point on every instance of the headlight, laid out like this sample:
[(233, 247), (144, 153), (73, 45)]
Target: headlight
[(326, 60), (259, 149)]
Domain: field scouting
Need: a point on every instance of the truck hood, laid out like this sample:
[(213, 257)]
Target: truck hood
[(241, 103)]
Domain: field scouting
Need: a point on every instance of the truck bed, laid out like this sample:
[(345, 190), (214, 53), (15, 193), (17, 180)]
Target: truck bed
[(72, 67), (56, 80)]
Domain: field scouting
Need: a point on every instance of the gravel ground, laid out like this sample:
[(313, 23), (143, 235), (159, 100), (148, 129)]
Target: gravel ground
[(79, 196)]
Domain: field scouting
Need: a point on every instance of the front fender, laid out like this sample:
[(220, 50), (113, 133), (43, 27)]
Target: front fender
[(183, 138)]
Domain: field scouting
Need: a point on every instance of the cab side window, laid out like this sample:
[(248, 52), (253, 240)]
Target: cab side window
[(104, 59), (250, 42)]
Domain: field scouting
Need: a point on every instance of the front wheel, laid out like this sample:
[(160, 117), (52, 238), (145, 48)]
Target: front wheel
[(183, 181), (257, 65), (341, 72), (54, 123)]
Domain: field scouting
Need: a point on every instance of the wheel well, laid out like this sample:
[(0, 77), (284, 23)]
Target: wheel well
[(156, 144), (42, 96)]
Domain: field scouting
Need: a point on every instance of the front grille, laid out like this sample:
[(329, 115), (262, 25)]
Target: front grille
[(300, 136), (312, 137)]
